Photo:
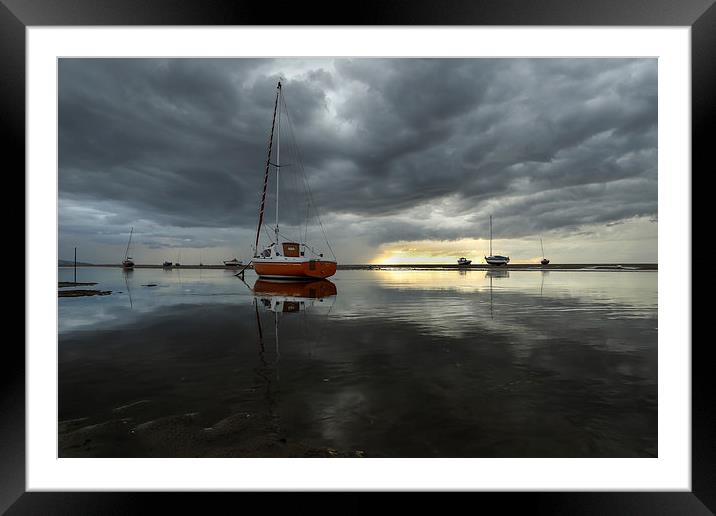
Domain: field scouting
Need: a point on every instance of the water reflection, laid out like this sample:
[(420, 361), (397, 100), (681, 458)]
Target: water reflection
[(127, 273), (292, 296), (288, 297), (541, 285), (401, 364), (492, 274), (497, 273)]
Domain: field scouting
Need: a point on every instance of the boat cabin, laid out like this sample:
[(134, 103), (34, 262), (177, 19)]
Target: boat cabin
[(291, 249)]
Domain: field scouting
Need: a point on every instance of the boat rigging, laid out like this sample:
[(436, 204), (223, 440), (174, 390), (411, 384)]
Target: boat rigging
[(287, 257)]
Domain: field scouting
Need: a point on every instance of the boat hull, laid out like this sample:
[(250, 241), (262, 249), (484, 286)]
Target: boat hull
[(493, 260), (295, 269)]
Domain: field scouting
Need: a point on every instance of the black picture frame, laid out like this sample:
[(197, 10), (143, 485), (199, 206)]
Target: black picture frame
[(17, 15)]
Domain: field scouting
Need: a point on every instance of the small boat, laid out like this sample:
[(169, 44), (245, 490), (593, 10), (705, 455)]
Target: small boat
[(127, 263), (495, 259), (543, 261), (286, 257), (232, 263), (167, 264), (464, 261)]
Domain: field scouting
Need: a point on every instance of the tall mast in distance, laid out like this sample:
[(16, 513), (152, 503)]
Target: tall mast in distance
[(490, 235), (126, 253)]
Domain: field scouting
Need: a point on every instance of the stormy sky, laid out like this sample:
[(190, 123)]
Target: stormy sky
[(406, 158)]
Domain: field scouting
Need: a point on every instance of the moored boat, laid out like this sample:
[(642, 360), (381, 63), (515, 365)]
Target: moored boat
[(464, 261), (232, 263), (495, 259), (284, 257), (543, 261), (127, 262)]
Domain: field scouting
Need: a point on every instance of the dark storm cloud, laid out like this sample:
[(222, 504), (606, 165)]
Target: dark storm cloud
[(543, 144)]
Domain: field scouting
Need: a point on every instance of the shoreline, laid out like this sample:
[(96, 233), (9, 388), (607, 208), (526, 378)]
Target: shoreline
[(428, 267)]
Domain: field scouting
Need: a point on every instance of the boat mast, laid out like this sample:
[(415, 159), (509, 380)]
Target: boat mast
[(278, 154), (540, 244), (490, 235), (268, 164), (126, 253)]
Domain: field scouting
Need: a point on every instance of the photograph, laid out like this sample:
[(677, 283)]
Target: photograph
[(410, 248), (358, 257)]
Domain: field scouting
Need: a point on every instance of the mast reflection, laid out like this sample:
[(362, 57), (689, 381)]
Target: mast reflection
[(286, 297), (496, 274), (126, 273), (283, 298)]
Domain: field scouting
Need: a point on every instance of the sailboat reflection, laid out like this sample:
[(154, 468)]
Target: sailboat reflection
[(127, 272), (285, 297), (292, 296), (541, 286), (496, 274)]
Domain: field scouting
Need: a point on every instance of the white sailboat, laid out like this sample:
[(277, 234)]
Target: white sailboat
[(543, 261), (495, 259), (232, 263), (127, 263)]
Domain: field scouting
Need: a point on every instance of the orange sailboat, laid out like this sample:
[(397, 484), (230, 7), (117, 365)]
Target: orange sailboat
[(285, 257)]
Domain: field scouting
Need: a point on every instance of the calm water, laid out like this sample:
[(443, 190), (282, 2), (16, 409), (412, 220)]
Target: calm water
[(394, 364)]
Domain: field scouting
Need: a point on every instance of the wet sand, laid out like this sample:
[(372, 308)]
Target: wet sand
[(239, 435), (82, 293)]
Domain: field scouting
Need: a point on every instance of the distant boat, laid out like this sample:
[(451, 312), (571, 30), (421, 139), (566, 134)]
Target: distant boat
[(543, 261), (495, 259), (233, 262), (127, 263), (464, 261), (284, 258), (167, 264)]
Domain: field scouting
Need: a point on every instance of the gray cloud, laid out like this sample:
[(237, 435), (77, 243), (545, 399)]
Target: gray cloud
[(180, 144)]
